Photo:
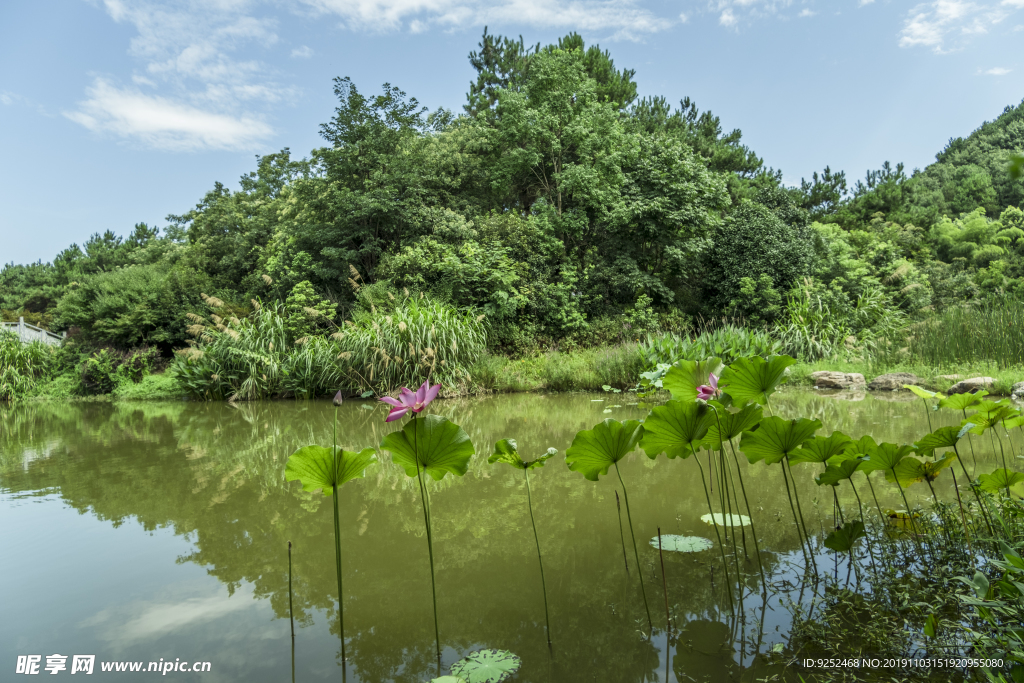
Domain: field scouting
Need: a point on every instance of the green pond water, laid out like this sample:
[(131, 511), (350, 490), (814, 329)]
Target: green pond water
[(137, 532)]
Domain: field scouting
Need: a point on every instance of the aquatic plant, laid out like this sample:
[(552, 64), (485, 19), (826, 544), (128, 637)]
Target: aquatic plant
[(319, 467), (21, 365), (594, 451), (486, 666), (507, 451), (427, 444)]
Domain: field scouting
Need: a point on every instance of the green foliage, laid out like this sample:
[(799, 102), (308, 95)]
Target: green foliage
[(675, 429), (419, 339), (507, 451), (730, 424), (775, 438), (681, 544), (844, 537), (726, 341), (22, 366), (319, 467), (758, 302), (431, 444), (999, 479), (487, 666), (307, 312), (753, 380), (685, 377), (821, 449), (105, 369), (593, 451)]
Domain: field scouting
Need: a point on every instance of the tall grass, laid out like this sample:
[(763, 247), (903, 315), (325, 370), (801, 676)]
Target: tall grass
[(991, 332), (235, 359), (255, 358), (419, 339), (21, 365)]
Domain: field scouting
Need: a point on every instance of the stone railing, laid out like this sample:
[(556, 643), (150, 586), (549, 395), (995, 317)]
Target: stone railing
[(29, 333)]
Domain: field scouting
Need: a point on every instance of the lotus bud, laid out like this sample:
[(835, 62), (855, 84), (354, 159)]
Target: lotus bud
[(338, 398)]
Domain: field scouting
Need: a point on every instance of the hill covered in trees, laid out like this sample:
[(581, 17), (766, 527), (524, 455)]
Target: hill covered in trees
[(562, 208)]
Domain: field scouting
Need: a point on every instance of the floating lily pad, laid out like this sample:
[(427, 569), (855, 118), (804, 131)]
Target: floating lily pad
[(486, 666), (448, 679), (367, 406), (597, 400), (607, 410), (726, 520), (682, 544)]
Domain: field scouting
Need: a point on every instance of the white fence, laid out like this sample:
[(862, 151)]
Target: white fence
[(29, 333)]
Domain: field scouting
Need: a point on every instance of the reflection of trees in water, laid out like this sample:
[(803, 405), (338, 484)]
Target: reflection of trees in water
[(215, 473)]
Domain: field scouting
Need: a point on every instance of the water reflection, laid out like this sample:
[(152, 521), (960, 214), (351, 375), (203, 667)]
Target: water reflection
[(205, 482)]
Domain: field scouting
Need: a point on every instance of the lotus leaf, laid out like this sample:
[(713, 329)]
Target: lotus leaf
[(685, 376), (315, 467), (885, 456), (733, 424), (507, 451), (752, 380), (448, 679), (923, 393), (821, 449), (844, 537), (1000, 479), (674, 428), (486, 666), (725, 520), (440, 447), (943, 437), (593, 451), (838, 471), (682, 544), (910, 470), (962, 402), (775, 438)]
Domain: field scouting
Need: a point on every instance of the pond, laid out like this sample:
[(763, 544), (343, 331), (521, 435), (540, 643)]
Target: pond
[(141, 532)]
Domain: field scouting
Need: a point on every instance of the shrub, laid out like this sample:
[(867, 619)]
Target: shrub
[(22, 365), (420, 339), (103, 370)]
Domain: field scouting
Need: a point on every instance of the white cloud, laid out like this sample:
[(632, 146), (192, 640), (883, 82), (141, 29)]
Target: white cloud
[(625, 17), (806, 13), (727, 18), (683, 18), (204, 96), (997, 71), (304, 52), (163, 123), (944, 24), (861, 3)]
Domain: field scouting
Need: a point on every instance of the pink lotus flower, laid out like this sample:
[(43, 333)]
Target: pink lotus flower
[(407, 400), (705, 392)]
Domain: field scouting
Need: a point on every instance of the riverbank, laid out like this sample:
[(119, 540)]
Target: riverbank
[(617, 367)]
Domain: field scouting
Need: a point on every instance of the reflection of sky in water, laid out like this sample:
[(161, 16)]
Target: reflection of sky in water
[(160, 530)]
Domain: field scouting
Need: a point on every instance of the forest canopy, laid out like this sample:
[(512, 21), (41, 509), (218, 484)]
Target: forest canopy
[(558, 204)]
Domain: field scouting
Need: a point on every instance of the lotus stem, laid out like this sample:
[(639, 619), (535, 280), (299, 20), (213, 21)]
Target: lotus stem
[(730, 529), (636, 554), (977, 497), (291, 608), (664, 585), (963, 517), (973, 454), (430, 539), (736, 500), (622, 537), (928, 414), (337, 542), (796, 496), (910, 513), (792, 509), (721, 546), (540, 561), (746, 502)]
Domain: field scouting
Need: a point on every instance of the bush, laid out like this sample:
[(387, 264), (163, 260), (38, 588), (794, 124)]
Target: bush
[(420, 339), (22, 365), (106, 368)]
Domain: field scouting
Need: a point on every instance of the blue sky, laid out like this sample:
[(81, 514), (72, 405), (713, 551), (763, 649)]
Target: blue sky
[(114, 112)]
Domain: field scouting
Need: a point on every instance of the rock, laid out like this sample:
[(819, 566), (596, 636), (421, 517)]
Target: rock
[(1018, 391), (825, 379), (893, 381), (969, 386)]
